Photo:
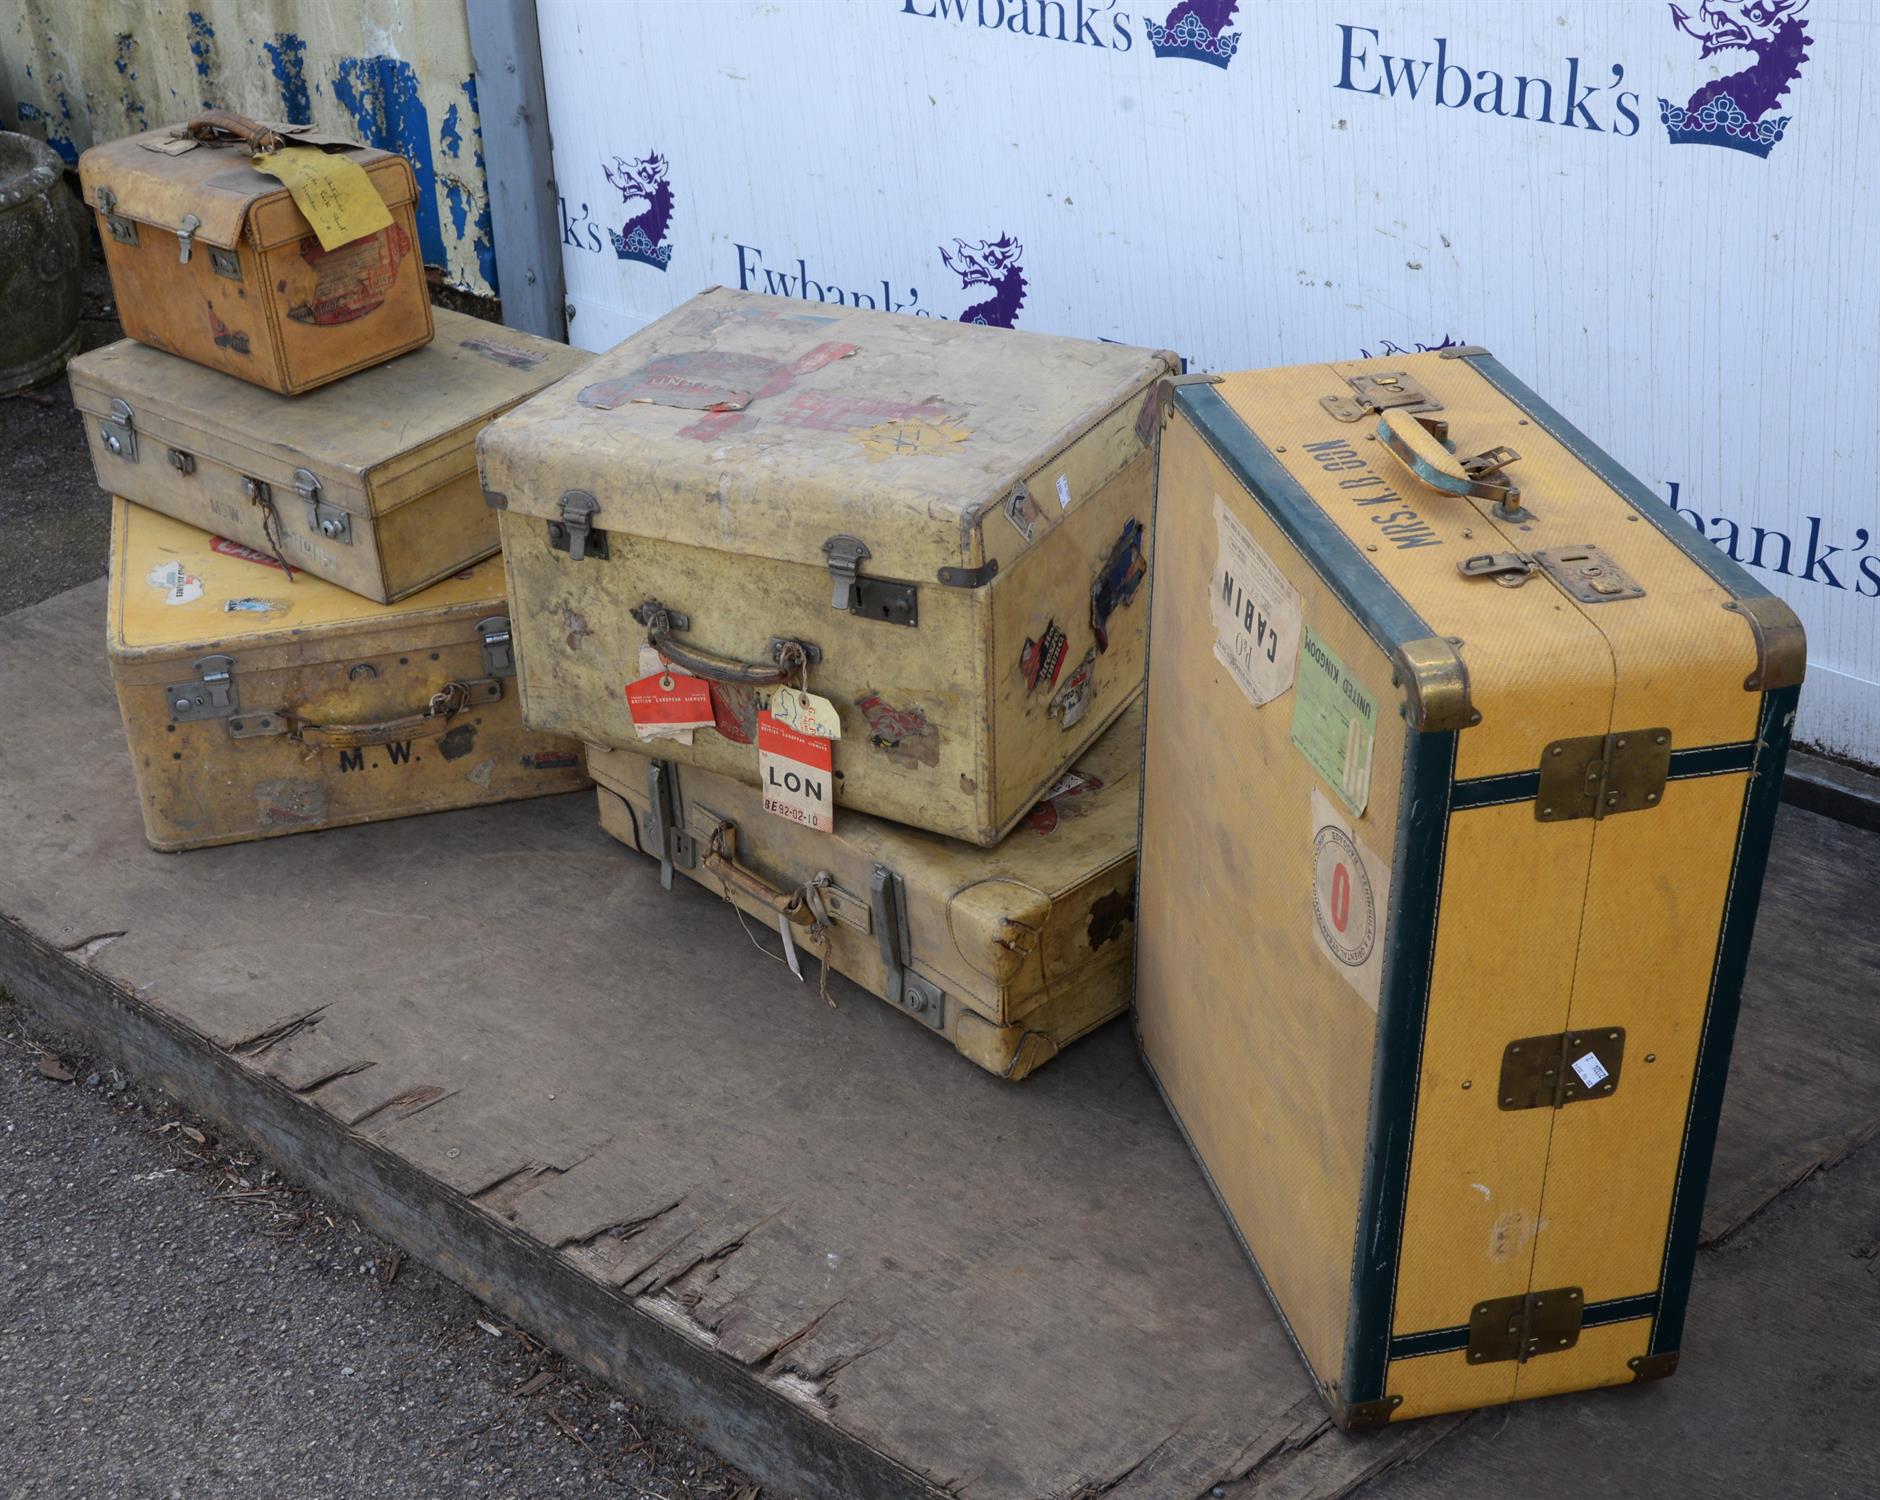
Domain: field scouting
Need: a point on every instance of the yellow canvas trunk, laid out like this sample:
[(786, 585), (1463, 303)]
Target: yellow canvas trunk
[(369, 483), (213, 260), (254, 707), (1462, 756), (946, 522), (1009, 953)]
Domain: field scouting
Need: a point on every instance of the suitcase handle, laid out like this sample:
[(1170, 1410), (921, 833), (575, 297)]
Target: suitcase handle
[(790, 658), (224, 125), (787, 904), (1421, 444), (430, 722)]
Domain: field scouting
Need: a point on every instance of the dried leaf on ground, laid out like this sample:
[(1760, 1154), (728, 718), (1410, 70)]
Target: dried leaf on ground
[(535, 1382), (51, 1067)]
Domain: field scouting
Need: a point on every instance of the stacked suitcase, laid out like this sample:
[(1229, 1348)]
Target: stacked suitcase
[(306, 626), (848, 608)]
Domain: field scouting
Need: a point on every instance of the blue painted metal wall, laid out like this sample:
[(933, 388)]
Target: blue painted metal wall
[(395, 73)]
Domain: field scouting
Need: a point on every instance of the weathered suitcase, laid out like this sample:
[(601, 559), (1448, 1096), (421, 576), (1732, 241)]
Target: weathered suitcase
[(1009, 953), (213, 260), (255, 708), (370, 483), (1459, 781), (947, 521)]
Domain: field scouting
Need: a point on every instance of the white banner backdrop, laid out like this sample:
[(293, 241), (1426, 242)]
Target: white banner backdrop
[(1657, 217)]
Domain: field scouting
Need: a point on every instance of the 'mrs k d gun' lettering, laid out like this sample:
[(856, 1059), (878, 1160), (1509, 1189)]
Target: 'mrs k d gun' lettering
[(1402, 527)]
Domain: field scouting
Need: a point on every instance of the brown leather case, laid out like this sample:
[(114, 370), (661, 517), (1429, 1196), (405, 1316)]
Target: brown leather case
[(212, 260)]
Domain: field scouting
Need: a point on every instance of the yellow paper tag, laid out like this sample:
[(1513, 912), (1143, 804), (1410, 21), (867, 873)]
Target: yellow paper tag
[(332, 191)]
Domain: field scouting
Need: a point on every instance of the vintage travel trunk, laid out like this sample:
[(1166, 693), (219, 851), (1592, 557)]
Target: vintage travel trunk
[(255, 707), (1463, 752), (944, 524), (370, 483), (213, 260), (1009, 953)]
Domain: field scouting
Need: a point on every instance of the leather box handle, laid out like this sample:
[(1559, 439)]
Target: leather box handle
[(224, 125)]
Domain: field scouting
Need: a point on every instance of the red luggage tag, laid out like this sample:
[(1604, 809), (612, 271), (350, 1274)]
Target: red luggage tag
[(794, 770), (666, 704)]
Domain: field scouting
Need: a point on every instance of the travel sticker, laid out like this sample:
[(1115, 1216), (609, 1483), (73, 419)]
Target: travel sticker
[(794, 771), (1255, 610), (1334, 722), (1117, 580), (1043, 657), (1350, 895), (178, 585)]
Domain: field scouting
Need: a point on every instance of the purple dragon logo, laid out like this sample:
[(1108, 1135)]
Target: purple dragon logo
[(1739, 111), (643, 237), (990, 263), (1196, 29), (1391, 346)]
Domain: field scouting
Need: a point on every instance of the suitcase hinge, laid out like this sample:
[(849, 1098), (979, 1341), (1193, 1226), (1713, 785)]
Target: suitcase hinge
[(186, 237), (499, 649), (211, 696), (665, 829), (921, 998), (1375, 393), (123, 230), (328, 520), (1549, 1072), (119, 430), (1598, 775), (874, 598), (575, 532), (1526, 1325)]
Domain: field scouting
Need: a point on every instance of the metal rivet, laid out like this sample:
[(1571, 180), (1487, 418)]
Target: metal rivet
[(1467, 1084), (1651, 796), (1280, 449), (234, 723), (1547, 812), (1556, 750), (1509, 1103), (1651, 1057), (453, 1153), (1660, 739), (1605, 1088), (364, 672)]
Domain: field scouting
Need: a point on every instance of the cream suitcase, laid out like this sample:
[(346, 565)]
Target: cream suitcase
[(1009, 953), (369, 483), (943, 524), (254, 707)]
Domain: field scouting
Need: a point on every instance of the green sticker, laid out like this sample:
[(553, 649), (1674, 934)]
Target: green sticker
[(1334, 722)]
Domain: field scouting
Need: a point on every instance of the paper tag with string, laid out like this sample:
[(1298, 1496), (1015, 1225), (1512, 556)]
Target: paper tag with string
[(666, 704), (806, 713), (333, 191), (795, 771)]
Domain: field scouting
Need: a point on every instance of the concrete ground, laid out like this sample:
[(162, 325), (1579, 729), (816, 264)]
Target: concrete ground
[(176, 1320)]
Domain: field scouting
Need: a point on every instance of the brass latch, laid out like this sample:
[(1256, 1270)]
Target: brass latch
[(1374, 393), (1598, 775), (1526, 1325), (1549, 1072)]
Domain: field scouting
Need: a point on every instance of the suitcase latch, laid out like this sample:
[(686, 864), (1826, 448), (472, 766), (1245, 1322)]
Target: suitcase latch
[(921, 998), (328, 520), (121, 229), (1598, 775), (1374, 393), (499, 648), (211, 696), (872, 598), (575, 532), (118, 432), (1526, 1325), (1551, 1072), (664, 828), (186, 237), (1509, 569)]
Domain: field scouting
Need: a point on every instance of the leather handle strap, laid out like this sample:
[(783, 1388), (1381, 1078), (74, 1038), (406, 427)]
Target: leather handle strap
[(792, 657), (225, 125), (428, 723), (787, 904)]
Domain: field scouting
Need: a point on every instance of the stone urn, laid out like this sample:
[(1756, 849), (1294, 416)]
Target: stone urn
[(42, 263)]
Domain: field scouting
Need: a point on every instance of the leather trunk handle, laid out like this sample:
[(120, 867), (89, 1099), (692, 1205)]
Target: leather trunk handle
[(787, 904), (792, 658), (426, 724), (225, 125)]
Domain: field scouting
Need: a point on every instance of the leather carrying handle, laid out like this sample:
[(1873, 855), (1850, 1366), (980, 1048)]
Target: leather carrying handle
[(428, 723), (789, 905), (223, 125), (792, 657)]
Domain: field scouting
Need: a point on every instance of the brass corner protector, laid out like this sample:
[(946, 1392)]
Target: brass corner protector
[(1436, 684), (496, 500), (1652, 1366), (1363, 1415), (1463, 351), (1781, 643)]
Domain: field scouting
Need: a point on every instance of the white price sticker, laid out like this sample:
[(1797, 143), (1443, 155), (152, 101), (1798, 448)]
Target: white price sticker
[(1591, 1070)]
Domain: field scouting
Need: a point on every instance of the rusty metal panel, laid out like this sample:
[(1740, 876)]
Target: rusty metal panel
[(392, 73)]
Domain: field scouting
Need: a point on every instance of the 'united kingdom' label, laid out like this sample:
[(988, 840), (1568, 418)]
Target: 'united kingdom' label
[(1255, 610), (794, 771)]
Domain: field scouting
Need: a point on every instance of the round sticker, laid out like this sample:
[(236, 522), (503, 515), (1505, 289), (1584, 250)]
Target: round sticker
[(1342, 901)]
